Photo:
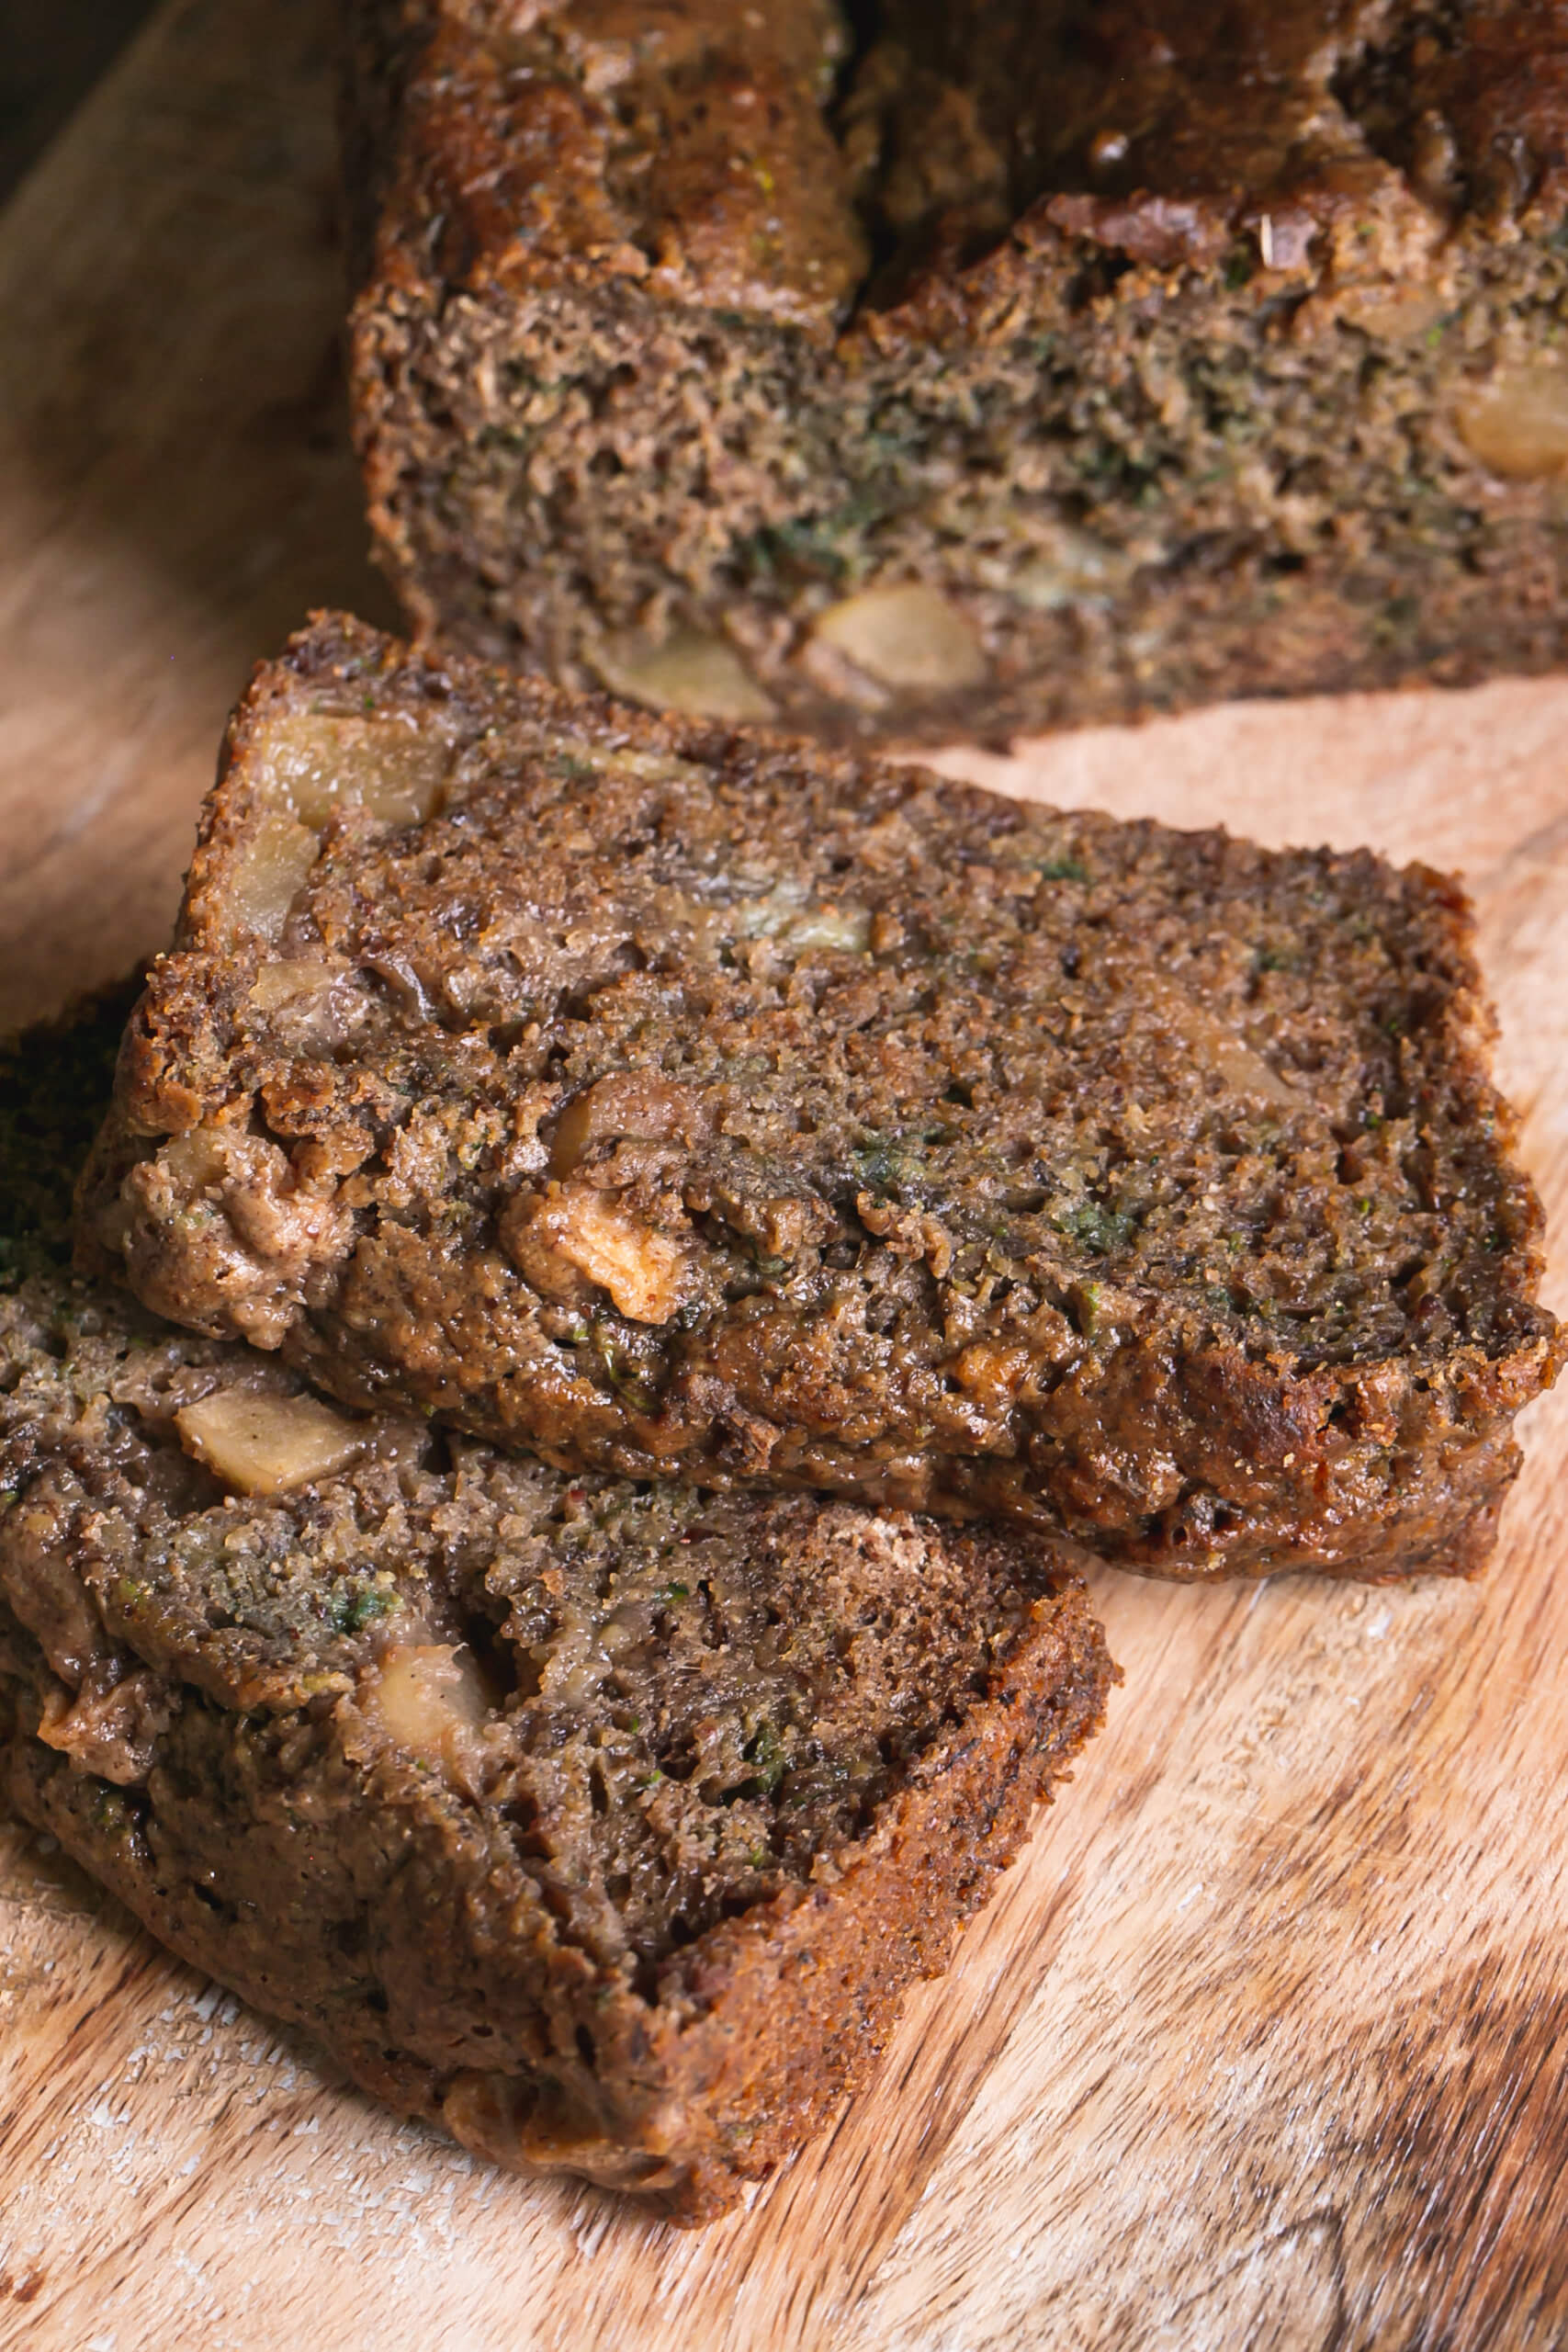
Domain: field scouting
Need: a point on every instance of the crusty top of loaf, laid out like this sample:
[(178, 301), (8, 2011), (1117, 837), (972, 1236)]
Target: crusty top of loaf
[(683, 146), (741, 157)]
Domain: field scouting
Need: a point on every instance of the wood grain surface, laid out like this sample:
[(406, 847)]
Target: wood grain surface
[(1264, 2042)]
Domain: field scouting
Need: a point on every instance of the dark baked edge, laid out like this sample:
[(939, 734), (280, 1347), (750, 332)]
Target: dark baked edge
[(790, 2004)]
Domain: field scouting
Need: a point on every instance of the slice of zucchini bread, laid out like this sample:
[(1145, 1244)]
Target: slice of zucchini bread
[(980, 369), (696, 1104), (602, 1825)]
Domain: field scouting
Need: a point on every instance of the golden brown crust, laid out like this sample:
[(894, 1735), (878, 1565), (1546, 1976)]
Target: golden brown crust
[(682, 147)]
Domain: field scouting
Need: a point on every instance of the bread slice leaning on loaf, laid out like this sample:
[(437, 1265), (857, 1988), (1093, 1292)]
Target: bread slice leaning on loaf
[(693, 1103), (603, 1826)]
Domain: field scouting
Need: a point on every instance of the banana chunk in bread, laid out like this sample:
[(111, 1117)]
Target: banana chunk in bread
[(915, 369), (602, 1825), (694, 1104)]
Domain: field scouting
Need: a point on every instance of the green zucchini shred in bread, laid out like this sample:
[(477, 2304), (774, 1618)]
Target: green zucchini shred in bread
[(974, 369), (691, 1103), (603, 1826)]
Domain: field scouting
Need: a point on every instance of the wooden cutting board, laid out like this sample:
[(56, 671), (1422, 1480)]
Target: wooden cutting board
[(1264, 2042)]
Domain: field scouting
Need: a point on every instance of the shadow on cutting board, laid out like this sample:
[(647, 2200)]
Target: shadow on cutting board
[(50, 59), (174, 468)]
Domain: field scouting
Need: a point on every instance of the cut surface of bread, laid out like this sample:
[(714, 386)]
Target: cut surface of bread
[(925, 370), (693, 1104), (602, 1825)]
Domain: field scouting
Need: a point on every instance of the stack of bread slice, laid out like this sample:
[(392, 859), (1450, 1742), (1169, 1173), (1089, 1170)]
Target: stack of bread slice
[(627, 1263)]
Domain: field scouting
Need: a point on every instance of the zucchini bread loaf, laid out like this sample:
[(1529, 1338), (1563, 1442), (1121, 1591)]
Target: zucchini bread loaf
[(979, 369), (688, 1103), (603, 1825)]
